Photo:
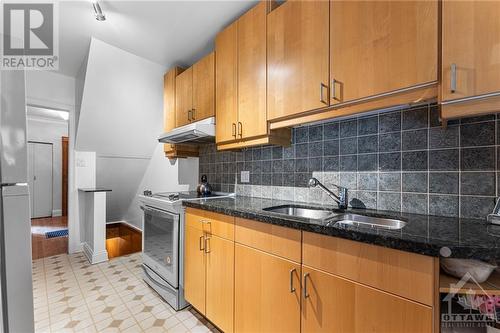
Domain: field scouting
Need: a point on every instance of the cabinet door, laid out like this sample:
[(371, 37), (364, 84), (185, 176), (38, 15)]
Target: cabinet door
[(183, 97), (297, 58), (204, 88), (470, 41), (220, 282), (267, 292), (169, 104), (252, 72), (194, 268), (381, 46), (333, 304), (226, 82)]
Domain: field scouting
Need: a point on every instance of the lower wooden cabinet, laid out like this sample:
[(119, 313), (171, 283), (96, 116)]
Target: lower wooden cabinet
[(267, 292), (194, 268), (220, 282), (258, 277), (334, 304), (209, 270)]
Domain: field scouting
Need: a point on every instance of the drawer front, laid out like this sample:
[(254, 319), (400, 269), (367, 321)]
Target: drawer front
[(212, 223), (194, 218), (280, 241), (402, 273)]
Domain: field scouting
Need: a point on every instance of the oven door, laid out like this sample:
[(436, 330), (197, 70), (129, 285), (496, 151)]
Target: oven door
[(161, 243)]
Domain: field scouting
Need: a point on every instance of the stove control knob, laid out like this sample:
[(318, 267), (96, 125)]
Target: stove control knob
[(148, 193)]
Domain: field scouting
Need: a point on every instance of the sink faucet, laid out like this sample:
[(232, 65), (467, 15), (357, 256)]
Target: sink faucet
[(341, 199)]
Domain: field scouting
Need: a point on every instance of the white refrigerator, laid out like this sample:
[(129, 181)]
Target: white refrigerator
[(16, 290)]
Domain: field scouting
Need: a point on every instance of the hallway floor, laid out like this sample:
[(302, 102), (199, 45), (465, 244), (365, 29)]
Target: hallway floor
[(70, 295), (41, 246)]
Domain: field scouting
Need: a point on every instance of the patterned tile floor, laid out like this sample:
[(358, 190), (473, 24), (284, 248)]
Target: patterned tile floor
[(70, 295)]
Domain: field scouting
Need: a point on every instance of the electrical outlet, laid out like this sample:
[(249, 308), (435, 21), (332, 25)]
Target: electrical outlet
[(245, 176)]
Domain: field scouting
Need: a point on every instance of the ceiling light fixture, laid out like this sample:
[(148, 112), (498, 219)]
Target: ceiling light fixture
[(99, 16)]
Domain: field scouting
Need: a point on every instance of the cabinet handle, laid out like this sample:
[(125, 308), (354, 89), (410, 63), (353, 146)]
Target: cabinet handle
[(240, 129), (207, 245), (292, 288), (189, 115), (321, 89), (306, 275), (334, 90), (202, 243), (192, 114), (453, 78), (234, 130)]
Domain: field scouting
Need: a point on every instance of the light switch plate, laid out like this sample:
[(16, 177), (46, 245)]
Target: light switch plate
[(245, 176), (81, 163)]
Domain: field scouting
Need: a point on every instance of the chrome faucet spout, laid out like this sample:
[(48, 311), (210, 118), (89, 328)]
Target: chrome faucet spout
[(341, 199)]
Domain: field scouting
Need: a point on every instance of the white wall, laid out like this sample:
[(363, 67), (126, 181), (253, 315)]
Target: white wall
[(50, 89), (122, 104), (51, 131), (158, 179), (121, 117)]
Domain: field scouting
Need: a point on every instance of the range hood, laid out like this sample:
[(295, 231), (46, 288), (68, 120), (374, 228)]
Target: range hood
[(202, 131)]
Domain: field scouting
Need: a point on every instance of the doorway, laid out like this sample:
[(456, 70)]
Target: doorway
[(48, 131)]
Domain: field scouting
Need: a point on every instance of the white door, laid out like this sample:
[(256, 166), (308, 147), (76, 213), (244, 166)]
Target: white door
[(40, 179)]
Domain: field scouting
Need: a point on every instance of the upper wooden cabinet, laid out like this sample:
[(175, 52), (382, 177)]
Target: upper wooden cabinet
[(169, 116), (226, 82), (379, 47), (470, 58), (297, 58), (330, 59), (204, 88), (241, 83), (183, 97), (252, 114), (195, 92)]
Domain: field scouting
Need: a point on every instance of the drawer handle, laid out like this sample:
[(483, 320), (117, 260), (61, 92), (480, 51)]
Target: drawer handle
[(192, 114), (292, 288), (453, 79), (234, 130), (202, 243), (306, 275), (189, 115)]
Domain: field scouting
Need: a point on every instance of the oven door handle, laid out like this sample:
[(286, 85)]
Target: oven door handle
[(158, 212)]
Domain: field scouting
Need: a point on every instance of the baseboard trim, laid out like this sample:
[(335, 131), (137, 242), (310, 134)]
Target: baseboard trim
[(94, 258), (126, 223), (56, 212)]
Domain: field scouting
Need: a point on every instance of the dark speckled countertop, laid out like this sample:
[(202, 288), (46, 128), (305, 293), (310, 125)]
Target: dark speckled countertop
[(423, 234)]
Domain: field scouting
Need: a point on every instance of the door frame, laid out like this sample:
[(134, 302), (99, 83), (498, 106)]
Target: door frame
[(74, 237), (64, 174)]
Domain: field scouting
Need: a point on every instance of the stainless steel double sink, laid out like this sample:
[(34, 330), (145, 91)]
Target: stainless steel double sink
[(344, 218)]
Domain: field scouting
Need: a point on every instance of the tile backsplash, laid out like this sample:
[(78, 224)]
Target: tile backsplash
[(400, 161)]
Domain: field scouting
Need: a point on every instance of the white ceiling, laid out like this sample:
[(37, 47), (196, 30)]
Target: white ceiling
[(166, 32)]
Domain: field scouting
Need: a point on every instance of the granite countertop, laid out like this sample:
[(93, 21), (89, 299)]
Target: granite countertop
[(423, 234)]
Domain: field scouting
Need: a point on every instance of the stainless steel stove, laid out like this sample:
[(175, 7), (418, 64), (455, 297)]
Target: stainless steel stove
[(163, 242)]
